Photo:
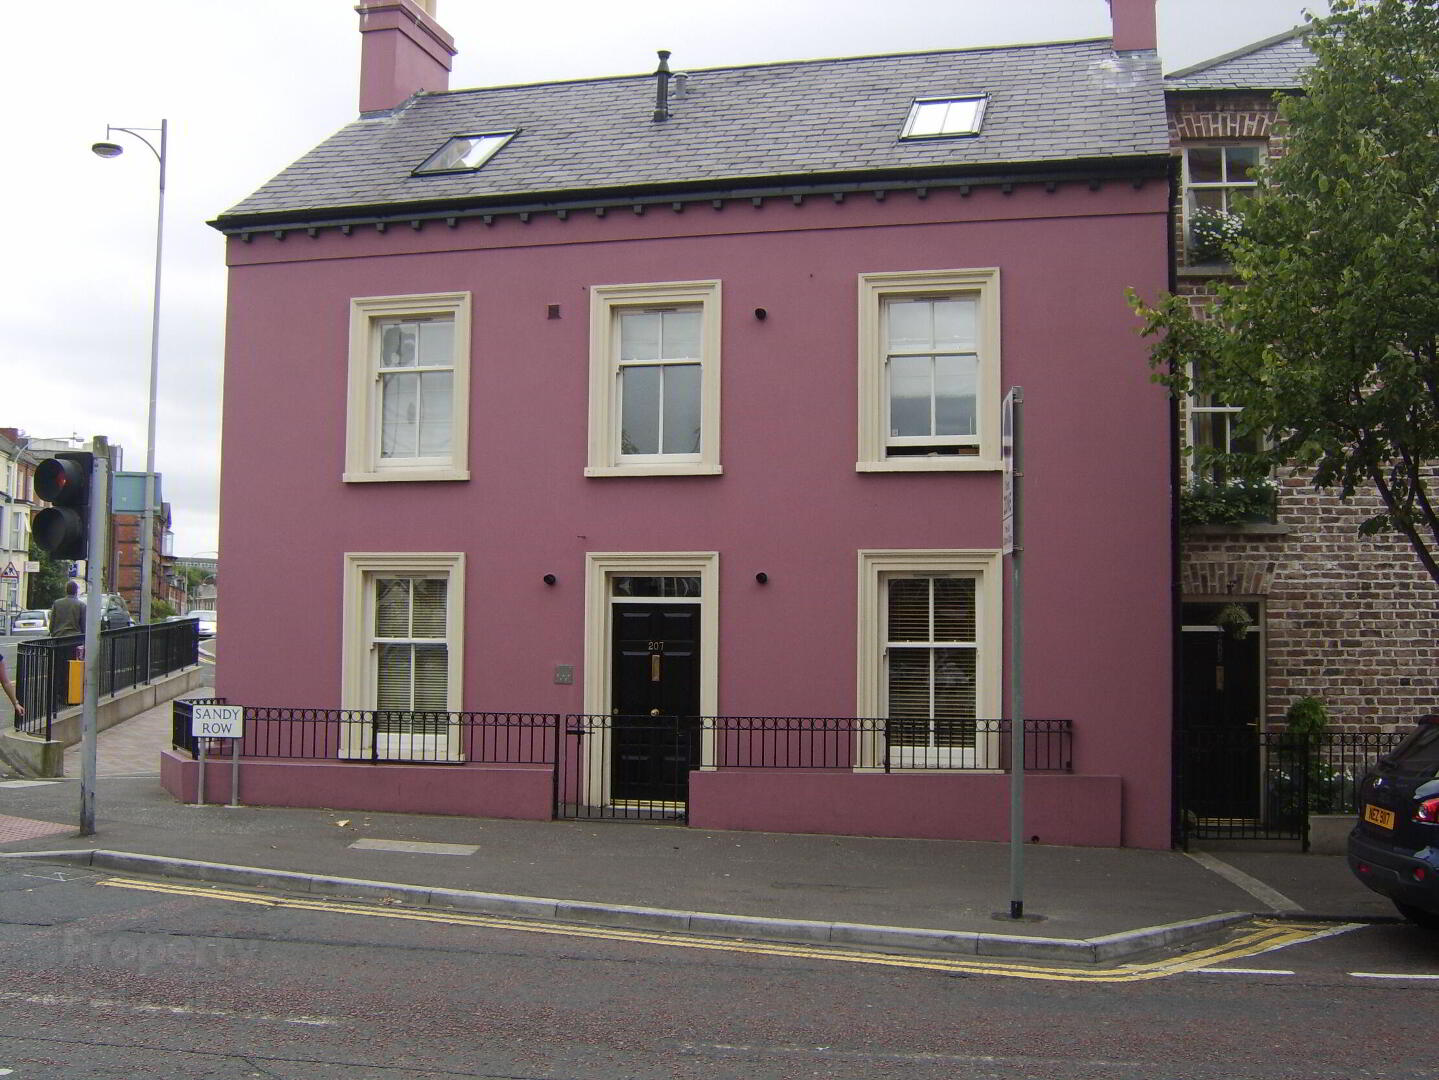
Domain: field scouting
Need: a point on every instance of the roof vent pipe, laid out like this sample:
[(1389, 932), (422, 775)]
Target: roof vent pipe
[(662, 87), (682, 79)]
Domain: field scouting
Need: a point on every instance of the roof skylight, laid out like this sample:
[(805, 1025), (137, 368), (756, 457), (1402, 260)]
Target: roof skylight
[(937, 117), (464, 153)]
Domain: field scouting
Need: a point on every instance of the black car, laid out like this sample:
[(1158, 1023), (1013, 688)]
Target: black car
[(1395, 847)]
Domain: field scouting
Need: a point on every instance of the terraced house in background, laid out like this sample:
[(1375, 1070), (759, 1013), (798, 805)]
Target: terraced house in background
[(672, 402), (1281, 599)]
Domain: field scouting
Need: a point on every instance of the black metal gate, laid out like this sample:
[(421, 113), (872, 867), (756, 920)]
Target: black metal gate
[(1244, 784), (626, 767)]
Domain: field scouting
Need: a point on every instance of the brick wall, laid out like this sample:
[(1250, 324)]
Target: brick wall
[(1348, 619), (1351, 620)]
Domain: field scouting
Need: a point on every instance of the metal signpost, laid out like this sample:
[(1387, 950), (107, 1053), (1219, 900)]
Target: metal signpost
[(218, 722), (99, 531), (1012, 454)]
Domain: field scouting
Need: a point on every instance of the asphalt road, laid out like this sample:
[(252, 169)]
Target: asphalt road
[(102, 980)]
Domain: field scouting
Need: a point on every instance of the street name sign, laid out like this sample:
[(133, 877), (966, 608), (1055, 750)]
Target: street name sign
[(218, 721)]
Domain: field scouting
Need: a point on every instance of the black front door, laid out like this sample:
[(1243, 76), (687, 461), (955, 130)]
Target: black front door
[(1222, 701), (656, 700)]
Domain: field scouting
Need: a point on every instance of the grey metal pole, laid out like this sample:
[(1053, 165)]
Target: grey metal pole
[(147, 561), (1016, 673), (94, 618), (235, 772)]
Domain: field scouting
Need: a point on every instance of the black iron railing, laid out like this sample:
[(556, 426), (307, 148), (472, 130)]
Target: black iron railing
[(384, 736), (128, 657), (725, 742), (1250, 784)]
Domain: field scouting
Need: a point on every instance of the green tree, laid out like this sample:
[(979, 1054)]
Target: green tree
[(1330, 338), (46, 587), (195, 577)]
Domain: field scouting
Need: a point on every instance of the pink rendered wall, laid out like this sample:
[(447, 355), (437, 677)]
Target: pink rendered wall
[(789, 503), (498, 792), (1059, 808)]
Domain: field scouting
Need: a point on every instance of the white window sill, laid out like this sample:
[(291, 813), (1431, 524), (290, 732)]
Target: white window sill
[(403, 475), (930, 464), (687, 468)]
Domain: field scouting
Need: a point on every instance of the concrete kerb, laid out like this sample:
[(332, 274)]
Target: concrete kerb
[(951, 942)]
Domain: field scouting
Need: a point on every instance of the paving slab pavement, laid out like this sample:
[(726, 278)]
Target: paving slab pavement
[(1074, 894)]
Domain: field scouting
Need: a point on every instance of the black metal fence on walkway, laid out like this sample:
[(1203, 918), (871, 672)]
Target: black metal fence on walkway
[(129, 657), (379, 736), (1263, 785), (634, 766)]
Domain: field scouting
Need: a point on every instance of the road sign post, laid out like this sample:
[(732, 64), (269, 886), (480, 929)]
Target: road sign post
[(97, 526), (1012, 455), (218, 722)]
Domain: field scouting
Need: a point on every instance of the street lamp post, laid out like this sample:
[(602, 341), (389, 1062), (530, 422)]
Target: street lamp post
[(147, 540)]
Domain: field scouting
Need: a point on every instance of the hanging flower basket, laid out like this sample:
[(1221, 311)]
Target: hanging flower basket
[(1233, 620)]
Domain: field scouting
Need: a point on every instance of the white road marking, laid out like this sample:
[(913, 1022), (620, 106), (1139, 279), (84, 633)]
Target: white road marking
[(149, 1007), (415, 846), (1276, 900), (23, 784), (1245, 971), (1385, 975)]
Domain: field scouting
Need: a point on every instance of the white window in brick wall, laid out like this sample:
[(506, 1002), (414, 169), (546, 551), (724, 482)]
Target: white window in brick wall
[(1217, 181), (1220, 177), (1213, 427)]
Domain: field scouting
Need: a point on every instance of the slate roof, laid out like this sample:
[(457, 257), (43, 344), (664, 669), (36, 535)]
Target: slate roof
[(1276, 63), (733, 127)]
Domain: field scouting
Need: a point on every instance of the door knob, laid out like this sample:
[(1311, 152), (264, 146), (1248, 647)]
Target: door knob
[(654, 712)]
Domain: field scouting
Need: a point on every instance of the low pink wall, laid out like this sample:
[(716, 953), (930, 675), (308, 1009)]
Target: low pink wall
[(1059, 809), (501, 791)]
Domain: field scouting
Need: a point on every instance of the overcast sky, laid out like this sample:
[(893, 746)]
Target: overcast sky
[(248, 86)]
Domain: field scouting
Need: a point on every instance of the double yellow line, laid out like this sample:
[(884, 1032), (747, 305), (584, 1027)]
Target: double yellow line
[(1263, 936)]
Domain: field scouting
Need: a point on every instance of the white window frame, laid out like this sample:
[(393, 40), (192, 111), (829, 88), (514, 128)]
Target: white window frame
[(1197, 412), (363, 462), (1227, 186), (981, 284), (606, 303), (946, 129), (600, 568), (357, 690), (878, 566)]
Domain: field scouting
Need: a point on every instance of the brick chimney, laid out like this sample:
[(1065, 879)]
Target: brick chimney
[(1135, 25), (402, 50)]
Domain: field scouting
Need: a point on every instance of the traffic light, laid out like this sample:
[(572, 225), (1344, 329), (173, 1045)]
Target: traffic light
[(63, 528)]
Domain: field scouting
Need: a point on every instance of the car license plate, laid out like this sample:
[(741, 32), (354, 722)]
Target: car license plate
[(1376, 815)]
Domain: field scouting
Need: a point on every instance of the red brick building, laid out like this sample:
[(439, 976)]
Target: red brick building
[(1346, 619)]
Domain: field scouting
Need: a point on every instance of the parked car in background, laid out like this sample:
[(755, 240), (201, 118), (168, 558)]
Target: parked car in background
[(1395, 847), (117, 615), (31, 622), (206, 621)]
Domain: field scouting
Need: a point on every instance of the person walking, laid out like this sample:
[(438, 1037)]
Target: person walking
[(9, 689), (67, 614)]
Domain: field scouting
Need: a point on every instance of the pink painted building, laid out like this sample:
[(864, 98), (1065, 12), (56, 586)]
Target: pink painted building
[(651, 403)]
